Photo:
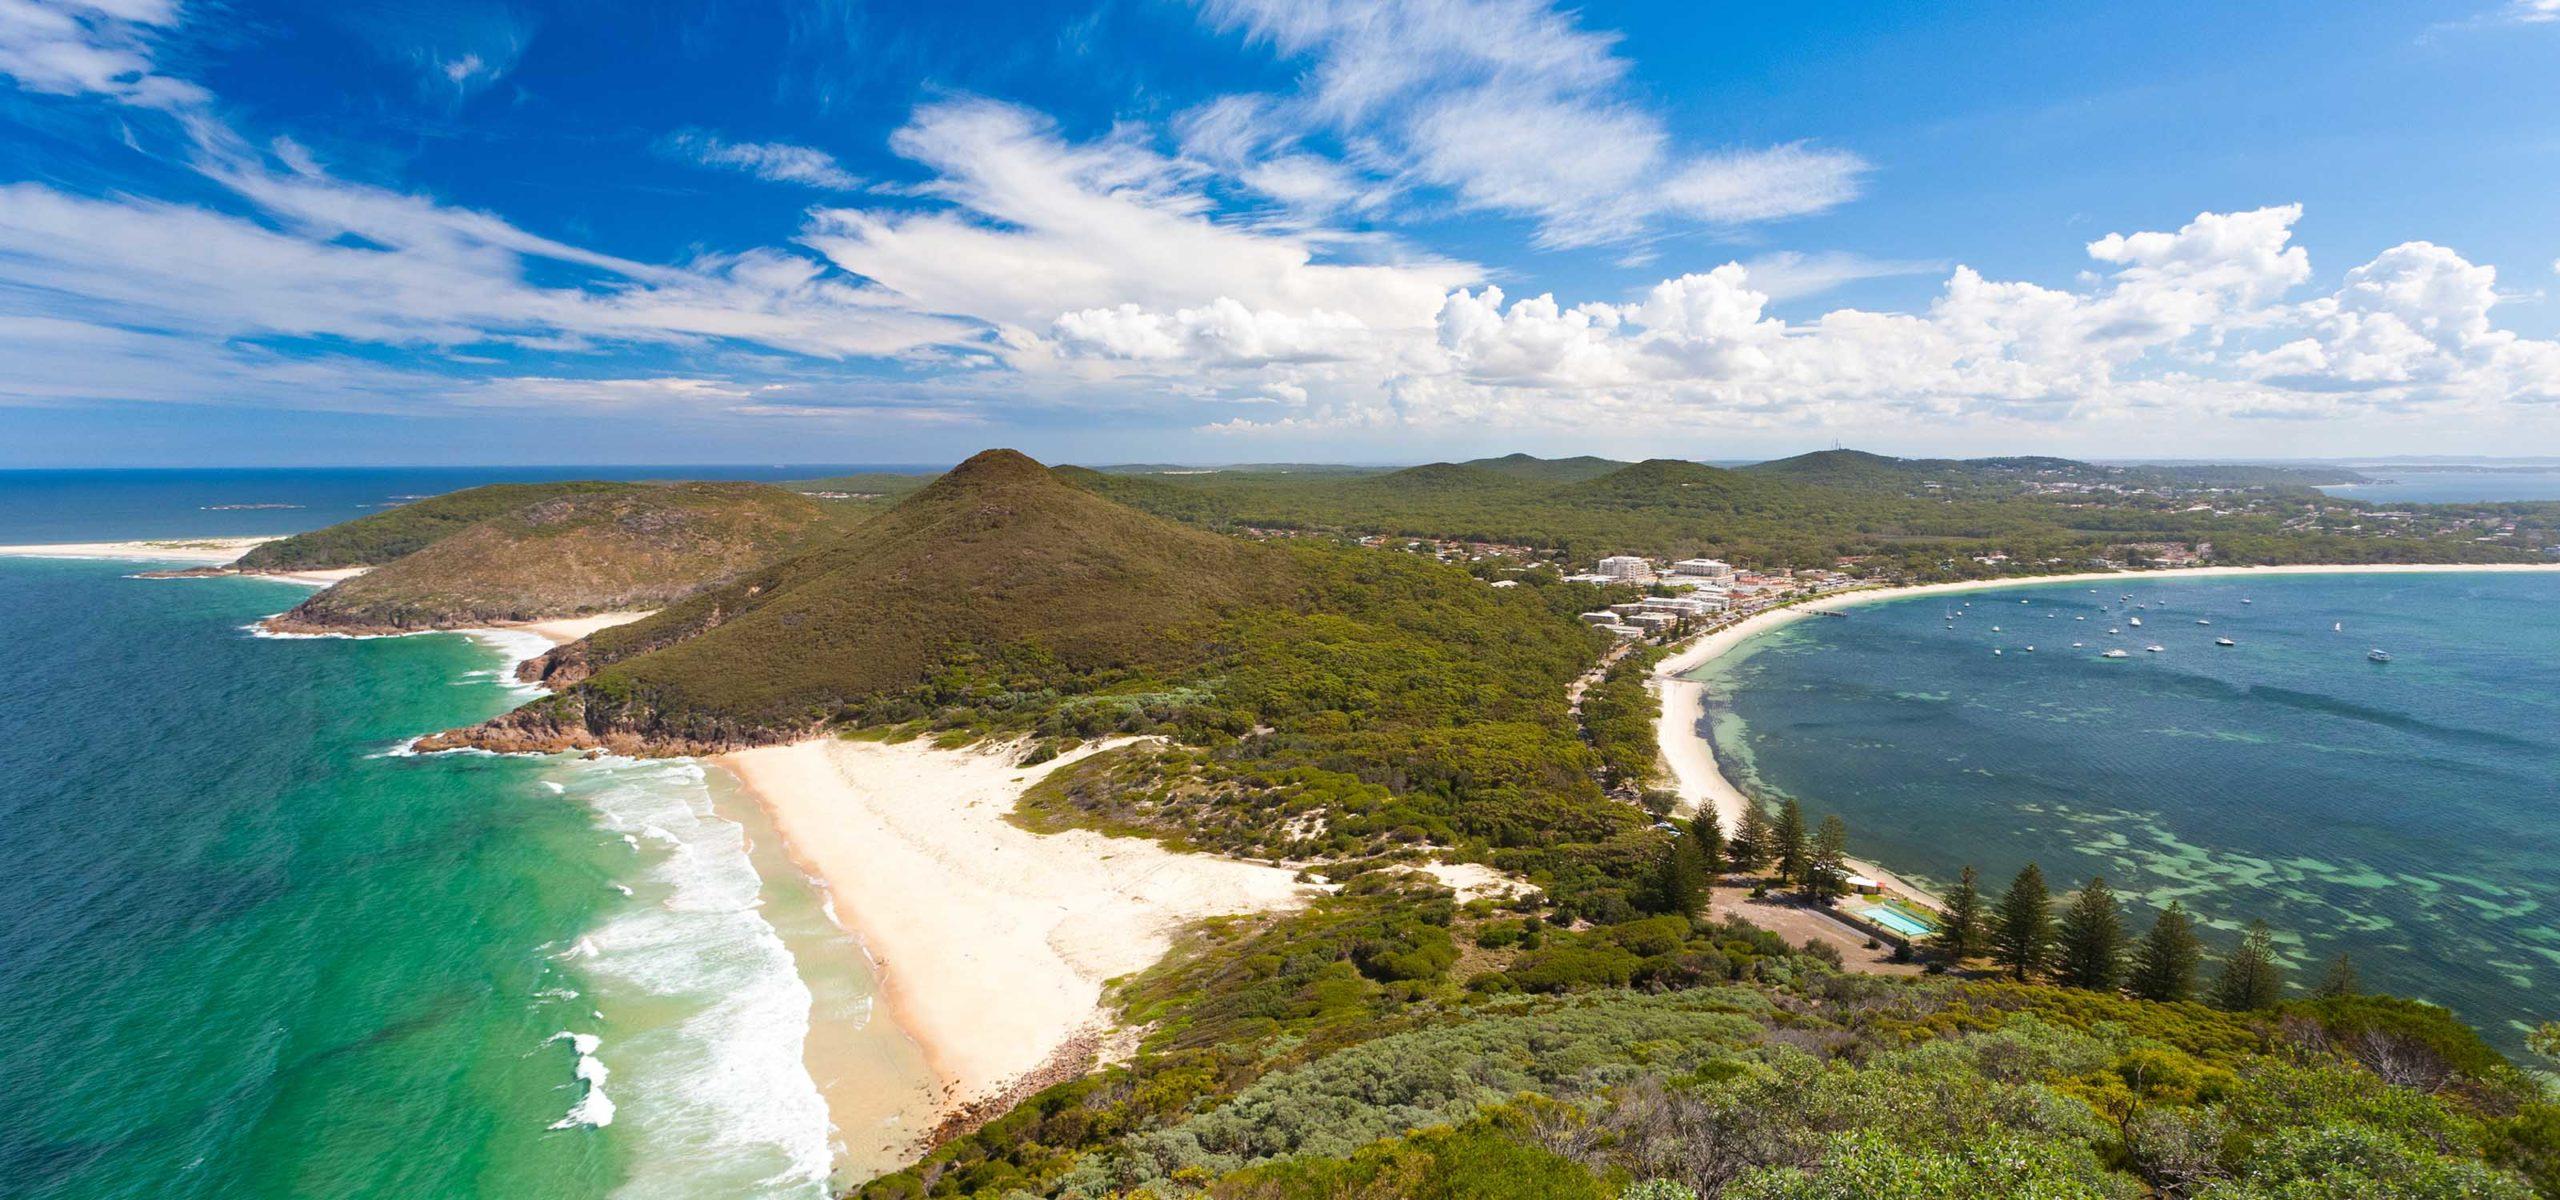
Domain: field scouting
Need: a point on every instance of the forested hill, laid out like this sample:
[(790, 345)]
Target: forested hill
[(1923, 518), (569, 550), (1857, 470), (389, 534), (998, 563)]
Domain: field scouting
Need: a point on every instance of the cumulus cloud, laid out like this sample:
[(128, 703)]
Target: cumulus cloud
[(779, 162), (1512, 107), (2194, 321)]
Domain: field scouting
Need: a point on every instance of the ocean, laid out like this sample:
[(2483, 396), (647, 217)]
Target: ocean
[(2407, 812), (2452, 486), (251, 948), (121, 506)]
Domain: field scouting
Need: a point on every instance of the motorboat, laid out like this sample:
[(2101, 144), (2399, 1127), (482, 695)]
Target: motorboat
[(2155, 649), (2115, 654), (2377, 656), (2224, 642)]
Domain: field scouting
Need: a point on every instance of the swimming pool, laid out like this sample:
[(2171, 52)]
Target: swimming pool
[(1899, 922)]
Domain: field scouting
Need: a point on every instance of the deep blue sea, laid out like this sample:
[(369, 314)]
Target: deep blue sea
[(249, 948), (2406, 812)]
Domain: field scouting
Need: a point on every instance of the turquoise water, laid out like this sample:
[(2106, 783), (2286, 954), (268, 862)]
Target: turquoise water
[(251, 949), (1909, 926), (2407, 812)]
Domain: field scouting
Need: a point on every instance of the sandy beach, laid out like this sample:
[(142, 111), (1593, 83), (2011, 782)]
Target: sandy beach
[(1691, 758), (192, 552), (993, 944)]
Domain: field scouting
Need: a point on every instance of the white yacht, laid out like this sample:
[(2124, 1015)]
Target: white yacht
[(2155, 649), (2377, 656), (2224, 642), (2115, 654), (2136, 622)]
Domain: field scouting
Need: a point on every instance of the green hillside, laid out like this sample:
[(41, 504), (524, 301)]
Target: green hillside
[(1923, 517), (619, 547), (1552, 470), (997, 563), (384, 536)]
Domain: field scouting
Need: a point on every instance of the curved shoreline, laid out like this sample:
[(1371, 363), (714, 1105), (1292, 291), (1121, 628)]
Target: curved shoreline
[(1699, 779), (993, 946)]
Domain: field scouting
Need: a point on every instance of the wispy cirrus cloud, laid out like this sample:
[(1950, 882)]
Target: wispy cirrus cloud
[(779, 162), (1514, 107)]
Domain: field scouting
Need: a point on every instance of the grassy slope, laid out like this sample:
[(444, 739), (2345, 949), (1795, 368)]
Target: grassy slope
[(384, 536), (999, 558), (641, 546)]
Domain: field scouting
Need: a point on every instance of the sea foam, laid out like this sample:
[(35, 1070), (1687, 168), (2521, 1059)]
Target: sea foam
[(594, 1110), (716, 1098)]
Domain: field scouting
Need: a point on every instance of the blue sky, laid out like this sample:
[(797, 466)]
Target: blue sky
[(410, 231)]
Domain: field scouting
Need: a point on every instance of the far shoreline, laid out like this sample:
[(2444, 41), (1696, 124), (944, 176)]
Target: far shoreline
[(1698, 776)]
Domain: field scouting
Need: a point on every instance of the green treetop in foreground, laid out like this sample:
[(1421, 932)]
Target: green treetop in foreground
[(2022, 931), (1961, 932), (1793, 848), (2252, 977), (2091, 941), (2165, 964)]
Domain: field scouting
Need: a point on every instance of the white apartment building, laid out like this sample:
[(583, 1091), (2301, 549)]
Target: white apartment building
[(1703, 568), (1626, 566)]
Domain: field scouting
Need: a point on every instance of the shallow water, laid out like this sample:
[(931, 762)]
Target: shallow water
[(252, 949), (2408, 813)]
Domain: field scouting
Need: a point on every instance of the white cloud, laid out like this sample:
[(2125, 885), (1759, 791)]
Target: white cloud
[(2192, 322), (92, 47), (329, 259), (2532, 12), (1512, 107), (1035, 227), (1789, 275), (779, 162)]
